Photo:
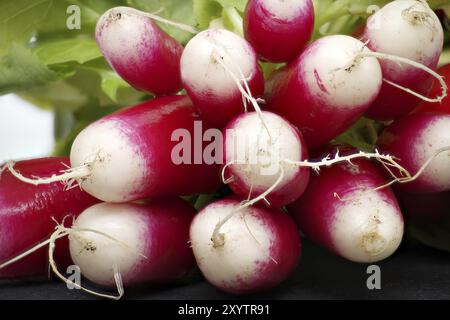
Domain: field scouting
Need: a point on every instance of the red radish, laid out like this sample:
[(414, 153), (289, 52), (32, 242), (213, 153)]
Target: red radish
[(210, 65), (325, 90), (278, 30), (252, 158), (128, 155), (342, 211), (257, 248), (26, 213), (415, 140), (151, 242), (142, 54), (444, 105), (409, 29)]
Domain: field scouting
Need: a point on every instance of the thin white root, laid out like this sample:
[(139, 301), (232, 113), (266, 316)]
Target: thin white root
[(412, 63), (175, 24), (67, 176)]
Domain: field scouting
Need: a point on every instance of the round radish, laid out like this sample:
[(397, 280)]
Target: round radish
[(278, 29), (342, 211), (211, 64), (325, 90), (416, 139), (409, 29), (27, 213), (142, 54), (259, 249), (151, 242), (252, 157)]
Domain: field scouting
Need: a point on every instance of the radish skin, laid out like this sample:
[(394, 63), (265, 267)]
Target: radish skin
[(140, 52), (255, 157), (210, 86), (278, 30), (342, 211), (27, 212), (131, 152), (324, 91), (409, 29), (261, 247), (156, 235), (416, 139)]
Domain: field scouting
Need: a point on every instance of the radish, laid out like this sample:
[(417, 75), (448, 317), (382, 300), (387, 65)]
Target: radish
[(27, 213), (210, 65), (145, 243), (326, 89), (141, 53), (128, 155), (278, 30), (421, 142), (256, 249), (409, 29), (343, 211), (252, 158)]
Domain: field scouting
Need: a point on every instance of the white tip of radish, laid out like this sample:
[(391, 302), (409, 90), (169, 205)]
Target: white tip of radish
[(331, 75), (406, 28), (96, 255), (201, 70), (367, 227), (119, 169), (116, 33), (433, 138), (257, 154), (286, 9), (246, 246)]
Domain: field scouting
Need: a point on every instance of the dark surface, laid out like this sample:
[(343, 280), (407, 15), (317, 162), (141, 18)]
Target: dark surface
[(415, 272)]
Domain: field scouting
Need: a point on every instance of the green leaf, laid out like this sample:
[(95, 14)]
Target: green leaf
[(176, 10), (205, 11), (79, 50), (21, 69), (238, 4)]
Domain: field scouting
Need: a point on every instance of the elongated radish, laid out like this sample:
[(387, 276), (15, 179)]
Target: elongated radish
[(415, 140), (278, 30), (444, 105), (151, 242), (257, 248), (252, 158), (27, 213), (142, 54), (342, 211), (325, 89), (409, 29), (208, 64), (129, 155)]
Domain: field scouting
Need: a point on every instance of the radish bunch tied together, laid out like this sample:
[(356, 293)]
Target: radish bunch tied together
[(218, 125)]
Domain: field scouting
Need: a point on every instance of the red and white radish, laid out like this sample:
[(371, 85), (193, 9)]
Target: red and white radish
[(421, 142), (128, 155), (409, 29), (278, 30), (326, 89), (210, 65), (342, 211), (253, 148), (150, 242), (256, 248), (27, 213), (140, 52)]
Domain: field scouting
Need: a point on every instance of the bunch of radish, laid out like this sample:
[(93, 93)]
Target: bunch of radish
[(270, 142)]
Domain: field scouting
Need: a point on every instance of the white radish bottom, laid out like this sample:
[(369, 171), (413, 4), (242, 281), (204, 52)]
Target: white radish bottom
[(260, 247)]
